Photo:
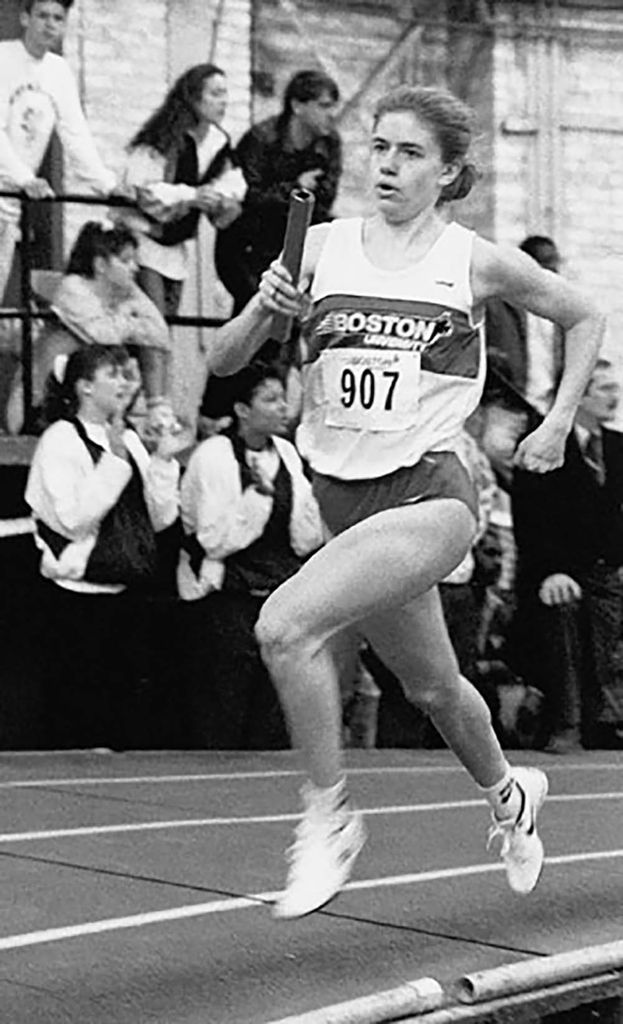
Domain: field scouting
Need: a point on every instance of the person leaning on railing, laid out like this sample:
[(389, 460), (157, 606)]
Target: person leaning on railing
[(298, 148), (38, 95), (180, 164)]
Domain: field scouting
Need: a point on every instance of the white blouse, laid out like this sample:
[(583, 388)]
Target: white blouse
[(225, 519), (133, 320), (72, 495), (146, 168)]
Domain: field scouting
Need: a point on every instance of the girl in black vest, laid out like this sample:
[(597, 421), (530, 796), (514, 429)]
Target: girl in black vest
[(98, 499), (250, 520), (181, 164)]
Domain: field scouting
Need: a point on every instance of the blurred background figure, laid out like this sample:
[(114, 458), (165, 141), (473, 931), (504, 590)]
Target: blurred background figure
[(38, 97), (299, 147), (181, 164), (569, 534), (502, 419), (38, 94), (527, 349), (97, 301), (544, 340)]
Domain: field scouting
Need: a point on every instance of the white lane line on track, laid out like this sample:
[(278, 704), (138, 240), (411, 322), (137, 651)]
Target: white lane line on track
[(264, 819), (117, 780), (127, 780), (113, 924)]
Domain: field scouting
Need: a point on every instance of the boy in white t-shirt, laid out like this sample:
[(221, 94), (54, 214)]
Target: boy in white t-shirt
[(38, 94)]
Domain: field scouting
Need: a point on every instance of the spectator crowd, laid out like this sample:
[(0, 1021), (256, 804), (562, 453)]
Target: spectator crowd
[(159, 544)]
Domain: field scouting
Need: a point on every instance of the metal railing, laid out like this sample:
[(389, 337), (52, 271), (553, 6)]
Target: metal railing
[(532, 991), (26, 312)]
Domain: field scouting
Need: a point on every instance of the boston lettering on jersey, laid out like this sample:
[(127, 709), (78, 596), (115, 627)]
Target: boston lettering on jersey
[(448, 343)]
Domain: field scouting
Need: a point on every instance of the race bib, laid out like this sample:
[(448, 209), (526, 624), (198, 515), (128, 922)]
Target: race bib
[(370, 389)]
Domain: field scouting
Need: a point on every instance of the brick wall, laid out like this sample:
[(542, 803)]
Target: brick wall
[(126, 53), (369, 47), (353, 43), (558, 130), (548, 97), (119, 53)]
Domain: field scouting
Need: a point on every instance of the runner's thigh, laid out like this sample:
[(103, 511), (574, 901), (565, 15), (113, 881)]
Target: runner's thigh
[(383, 562)]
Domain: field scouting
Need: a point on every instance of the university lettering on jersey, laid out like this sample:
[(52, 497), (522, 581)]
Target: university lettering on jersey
[(370, 354), (388, 330)]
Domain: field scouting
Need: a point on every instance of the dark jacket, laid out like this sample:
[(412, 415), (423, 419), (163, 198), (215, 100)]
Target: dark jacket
[(506, 338), (565, 521), (271, 168), (183, 168), (506, 341)]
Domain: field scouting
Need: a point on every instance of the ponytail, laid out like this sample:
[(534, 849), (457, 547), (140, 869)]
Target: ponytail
[(61, 400), (97, 239), (461, 186)]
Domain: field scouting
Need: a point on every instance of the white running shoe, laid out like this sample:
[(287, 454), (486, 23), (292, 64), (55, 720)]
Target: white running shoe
[(327, 842), (521, 849)]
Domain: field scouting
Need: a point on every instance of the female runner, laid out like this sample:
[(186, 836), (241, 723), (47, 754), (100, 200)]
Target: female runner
[(394, 364)]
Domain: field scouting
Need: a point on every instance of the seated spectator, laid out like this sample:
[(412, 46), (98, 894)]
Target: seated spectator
[(98, 302), (181, 165), (250, 519), (98, 500), (298, 148), (569, 535), (220, 392)]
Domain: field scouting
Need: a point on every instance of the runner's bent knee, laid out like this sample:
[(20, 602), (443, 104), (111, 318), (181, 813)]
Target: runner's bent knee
[(279, 630)]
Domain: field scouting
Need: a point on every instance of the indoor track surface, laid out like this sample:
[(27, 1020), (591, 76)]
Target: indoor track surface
[(135, 887)]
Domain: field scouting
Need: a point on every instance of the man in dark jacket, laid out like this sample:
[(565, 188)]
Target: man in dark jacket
[(569, 535), (298, 148)]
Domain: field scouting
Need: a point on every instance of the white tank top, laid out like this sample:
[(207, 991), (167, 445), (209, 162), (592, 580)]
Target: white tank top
[(393, 362)]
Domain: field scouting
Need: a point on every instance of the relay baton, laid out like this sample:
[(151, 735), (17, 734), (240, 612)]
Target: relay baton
[(299, 217)]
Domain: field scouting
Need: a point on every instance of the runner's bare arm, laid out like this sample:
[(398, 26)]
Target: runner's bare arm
[(510, 274), (237, 341)]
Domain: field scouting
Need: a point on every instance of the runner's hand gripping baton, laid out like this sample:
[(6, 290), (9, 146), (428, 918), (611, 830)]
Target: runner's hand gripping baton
[(299, 217)]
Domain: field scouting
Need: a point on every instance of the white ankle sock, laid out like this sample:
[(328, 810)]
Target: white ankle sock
[(505, 797)]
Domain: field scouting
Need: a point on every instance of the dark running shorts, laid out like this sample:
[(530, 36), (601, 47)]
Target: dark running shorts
[(437, 475)]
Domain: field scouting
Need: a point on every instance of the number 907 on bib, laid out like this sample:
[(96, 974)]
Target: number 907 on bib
[(370, 390)]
